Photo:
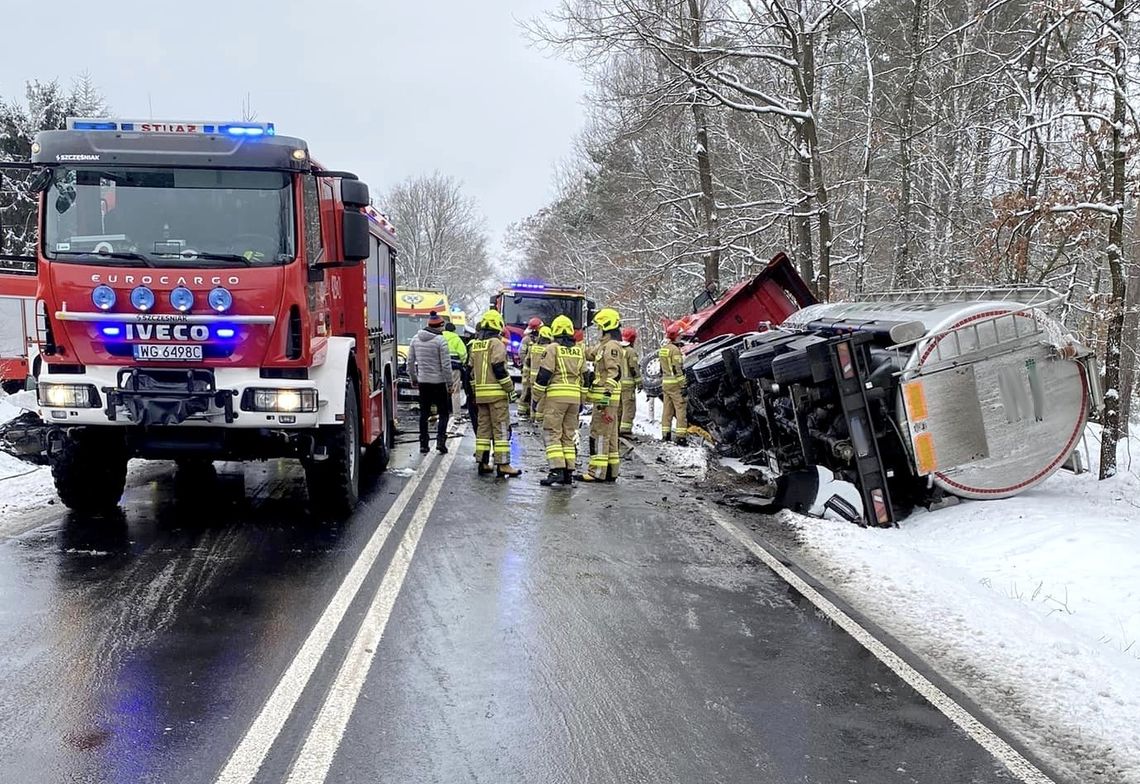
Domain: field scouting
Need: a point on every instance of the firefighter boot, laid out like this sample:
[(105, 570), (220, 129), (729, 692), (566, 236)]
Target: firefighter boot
[(567, 476), (682, 441), (553, 478), (667, 437), (483, 461), (507, 471)]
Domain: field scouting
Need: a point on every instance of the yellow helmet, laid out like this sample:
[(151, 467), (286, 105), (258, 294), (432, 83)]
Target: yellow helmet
[(545, 332), (607, 319), (492, 320), (562, 326)]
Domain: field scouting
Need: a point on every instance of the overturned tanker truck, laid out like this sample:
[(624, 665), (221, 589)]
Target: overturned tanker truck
[(865, 410)]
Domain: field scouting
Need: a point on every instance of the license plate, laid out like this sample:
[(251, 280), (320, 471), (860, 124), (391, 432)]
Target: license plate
[(168, 352)]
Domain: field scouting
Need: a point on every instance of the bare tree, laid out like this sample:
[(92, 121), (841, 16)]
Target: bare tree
[(443, 241)]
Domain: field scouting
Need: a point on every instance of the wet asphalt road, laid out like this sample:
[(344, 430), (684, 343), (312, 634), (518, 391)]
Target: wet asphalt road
[(601, 634)]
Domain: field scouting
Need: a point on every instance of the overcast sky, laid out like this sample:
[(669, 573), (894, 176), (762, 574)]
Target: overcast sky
[(384, 88)]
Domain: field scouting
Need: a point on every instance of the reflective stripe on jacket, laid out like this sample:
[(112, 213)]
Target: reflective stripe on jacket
[(672, 365), (607, 370), (566, 364), (484, 355)]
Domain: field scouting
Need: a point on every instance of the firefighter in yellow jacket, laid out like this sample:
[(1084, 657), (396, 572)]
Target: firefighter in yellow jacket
[(487, 358), (673, 388), (605, 394), (558, 386), (530, 336), (534, 359)]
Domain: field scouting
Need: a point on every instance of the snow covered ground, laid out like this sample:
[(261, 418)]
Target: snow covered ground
[(1031, 605), (690, 462), (23, 487)]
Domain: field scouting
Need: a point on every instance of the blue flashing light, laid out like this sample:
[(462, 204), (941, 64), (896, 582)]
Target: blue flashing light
[(142, 298), (220, 299), (531, 286), (236, 129), (103, 297), (225, 332), (182, 299), (94, 126), (127, 126), (112, 332)]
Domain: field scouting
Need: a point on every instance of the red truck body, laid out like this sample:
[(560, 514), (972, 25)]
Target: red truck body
[(206, 291), (775, 293)]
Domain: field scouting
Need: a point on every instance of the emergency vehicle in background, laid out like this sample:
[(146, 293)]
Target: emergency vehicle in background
[(206, 291), (413, 306), (17, 329), (521, 301)]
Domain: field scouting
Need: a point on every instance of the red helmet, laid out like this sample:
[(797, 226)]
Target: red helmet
[(629, 335), (673, 331), (534, 323)]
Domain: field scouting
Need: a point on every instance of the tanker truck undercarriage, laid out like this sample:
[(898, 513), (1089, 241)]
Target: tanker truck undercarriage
[(864, 410)]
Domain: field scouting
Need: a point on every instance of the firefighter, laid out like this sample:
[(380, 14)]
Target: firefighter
[(630, 379), (534, 359), (530, 337), (673, 388), (558, 386), (605, 395), (487, 358)]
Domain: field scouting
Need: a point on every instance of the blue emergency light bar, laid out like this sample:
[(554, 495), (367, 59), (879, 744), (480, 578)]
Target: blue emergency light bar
[(176, 127), (531, 286)]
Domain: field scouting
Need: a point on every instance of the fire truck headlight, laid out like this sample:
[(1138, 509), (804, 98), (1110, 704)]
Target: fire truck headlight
[(142, 298), (103, 297), (220, 299), (288, 401), (68, 396), (181, 299)]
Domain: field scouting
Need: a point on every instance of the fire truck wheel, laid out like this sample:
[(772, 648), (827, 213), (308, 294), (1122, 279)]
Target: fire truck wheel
[(90, 471), (334, 483)]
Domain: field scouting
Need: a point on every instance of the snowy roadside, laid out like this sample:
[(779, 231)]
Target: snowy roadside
[(23, 487), (1031, 605), (690, 462)]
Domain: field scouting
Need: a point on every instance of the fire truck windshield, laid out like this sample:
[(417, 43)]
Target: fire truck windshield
[(521, 308), (189, 217)]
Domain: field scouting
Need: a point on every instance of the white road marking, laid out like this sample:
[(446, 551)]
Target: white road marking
[(1018, 765), (247, 758), (316, 757)]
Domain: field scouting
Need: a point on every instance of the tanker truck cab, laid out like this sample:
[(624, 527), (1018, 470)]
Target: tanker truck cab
[(205, 291)]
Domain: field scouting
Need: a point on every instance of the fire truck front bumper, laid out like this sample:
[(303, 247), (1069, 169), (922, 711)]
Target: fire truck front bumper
[(190, 397)]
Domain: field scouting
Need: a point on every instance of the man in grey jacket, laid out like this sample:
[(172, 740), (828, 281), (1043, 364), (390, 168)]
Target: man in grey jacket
[(429, 365)]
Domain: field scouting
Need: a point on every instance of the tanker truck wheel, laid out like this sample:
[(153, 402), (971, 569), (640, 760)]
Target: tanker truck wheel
[(89, 466), (334, 482)]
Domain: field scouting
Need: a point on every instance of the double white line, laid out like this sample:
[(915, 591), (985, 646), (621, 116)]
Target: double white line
[(312, 765)]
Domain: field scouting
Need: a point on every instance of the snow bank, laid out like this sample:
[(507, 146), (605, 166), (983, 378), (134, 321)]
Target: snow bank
[(22, 486), (1030, 604)]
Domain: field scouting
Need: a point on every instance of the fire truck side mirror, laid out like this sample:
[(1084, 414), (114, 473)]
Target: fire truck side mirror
[(591, 311), (356, 239), (354, 194)]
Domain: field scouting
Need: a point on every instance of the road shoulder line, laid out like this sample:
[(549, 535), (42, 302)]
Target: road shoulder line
[(1018, 765), (1001, 750)]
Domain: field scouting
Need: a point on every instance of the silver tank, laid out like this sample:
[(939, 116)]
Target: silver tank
[(994, 395)]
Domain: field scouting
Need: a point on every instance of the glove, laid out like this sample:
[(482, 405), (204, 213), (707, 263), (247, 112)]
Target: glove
[(514, 397)]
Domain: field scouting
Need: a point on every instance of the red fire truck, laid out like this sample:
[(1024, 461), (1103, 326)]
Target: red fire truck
[(521, 301), (205, 291)]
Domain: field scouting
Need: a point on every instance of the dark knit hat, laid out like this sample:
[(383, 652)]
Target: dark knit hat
[(435, 320)]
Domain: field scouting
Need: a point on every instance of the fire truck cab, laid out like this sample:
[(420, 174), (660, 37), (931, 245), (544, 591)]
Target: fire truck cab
[(206, 291), (521, 301)]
